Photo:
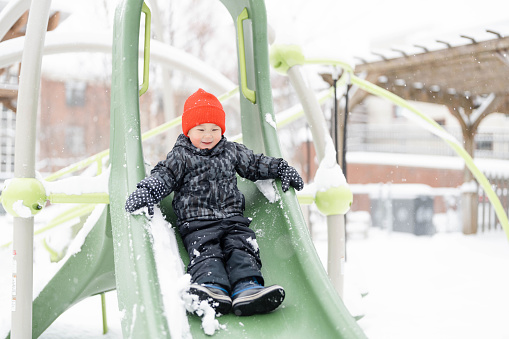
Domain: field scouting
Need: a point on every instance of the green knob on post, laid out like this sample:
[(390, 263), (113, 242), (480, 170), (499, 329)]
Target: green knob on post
[(283, 57), (23, 197), (335, 200)]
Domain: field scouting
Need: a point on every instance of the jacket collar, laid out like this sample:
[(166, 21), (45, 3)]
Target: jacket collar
[(183, 141)]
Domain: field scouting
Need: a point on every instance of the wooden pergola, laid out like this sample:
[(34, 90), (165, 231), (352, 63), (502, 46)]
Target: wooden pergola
[(459, 76), (471, 80)]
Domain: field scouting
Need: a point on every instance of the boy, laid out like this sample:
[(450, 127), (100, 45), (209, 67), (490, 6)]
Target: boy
[(224, 260)]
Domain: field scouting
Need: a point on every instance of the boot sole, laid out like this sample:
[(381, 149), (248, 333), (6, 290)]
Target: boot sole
[(265, 301), (220, 303)]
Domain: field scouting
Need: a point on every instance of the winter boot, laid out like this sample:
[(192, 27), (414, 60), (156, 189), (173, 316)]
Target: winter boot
[(216, 295), (249, 297)]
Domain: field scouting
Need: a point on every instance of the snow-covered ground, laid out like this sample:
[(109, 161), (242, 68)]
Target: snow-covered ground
[(445, 286)]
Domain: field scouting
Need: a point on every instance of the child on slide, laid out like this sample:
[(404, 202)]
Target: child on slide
[(224, 261)]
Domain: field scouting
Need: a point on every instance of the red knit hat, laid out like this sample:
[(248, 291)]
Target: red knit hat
[(200, 108)]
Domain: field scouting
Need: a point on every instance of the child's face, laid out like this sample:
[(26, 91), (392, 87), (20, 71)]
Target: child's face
[(205, 136)]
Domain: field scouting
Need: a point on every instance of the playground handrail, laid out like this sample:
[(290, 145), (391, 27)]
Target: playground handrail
[(146, 49), (248, 93)]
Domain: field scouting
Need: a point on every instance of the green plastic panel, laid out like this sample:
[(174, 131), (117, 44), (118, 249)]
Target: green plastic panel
[(88, 272), (138, 290)]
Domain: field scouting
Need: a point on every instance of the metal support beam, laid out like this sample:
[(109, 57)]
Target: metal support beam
[(24, 166), (319, 130)]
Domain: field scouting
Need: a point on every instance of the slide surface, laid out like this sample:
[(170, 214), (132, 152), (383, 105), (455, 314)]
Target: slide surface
[(312, 308)]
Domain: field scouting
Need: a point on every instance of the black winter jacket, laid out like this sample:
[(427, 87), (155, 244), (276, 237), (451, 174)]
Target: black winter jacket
[(205, 182)]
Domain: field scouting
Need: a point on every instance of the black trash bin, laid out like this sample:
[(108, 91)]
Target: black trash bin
[(403, 208), (414, 215)]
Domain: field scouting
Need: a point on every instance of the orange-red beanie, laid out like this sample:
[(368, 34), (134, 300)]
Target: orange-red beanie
[(200, 108)]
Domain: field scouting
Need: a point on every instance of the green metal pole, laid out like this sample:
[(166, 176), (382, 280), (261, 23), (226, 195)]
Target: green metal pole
[(103, 308), (24, 167)]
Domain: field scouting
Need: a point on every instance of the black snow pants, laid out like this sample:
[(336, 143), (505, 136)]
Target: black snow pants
[(221, 251)]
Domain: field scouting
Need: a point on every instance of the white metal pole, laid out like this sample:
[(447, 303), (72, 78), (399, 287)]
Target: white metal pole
[(336, 251), (319, 130), (312, 109), (24, 166)]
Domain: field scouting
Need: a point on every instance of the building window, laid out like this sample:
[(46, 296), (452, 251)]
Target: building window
[(75, 140), (75, 93), (484, 142)]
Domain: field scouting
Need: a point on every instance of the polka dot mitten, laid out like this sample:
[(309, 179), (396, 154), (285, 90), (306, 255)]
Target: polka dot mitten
[(150, 191), (289, 177)]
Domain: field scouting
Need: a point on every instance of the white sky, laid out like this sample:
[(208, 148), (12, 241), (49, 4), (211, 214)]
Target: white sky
[(334, 28), (346, 28), (338, 25)]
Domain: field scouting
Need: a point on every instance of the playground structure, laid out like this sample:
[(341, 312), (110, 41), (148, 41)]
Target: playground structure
[(117, 238), (110, 247)]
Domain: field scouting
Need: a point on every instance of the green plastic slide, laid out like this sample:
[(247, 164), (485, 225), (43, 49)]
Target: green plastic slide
[(118, 251), (312, 308)]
